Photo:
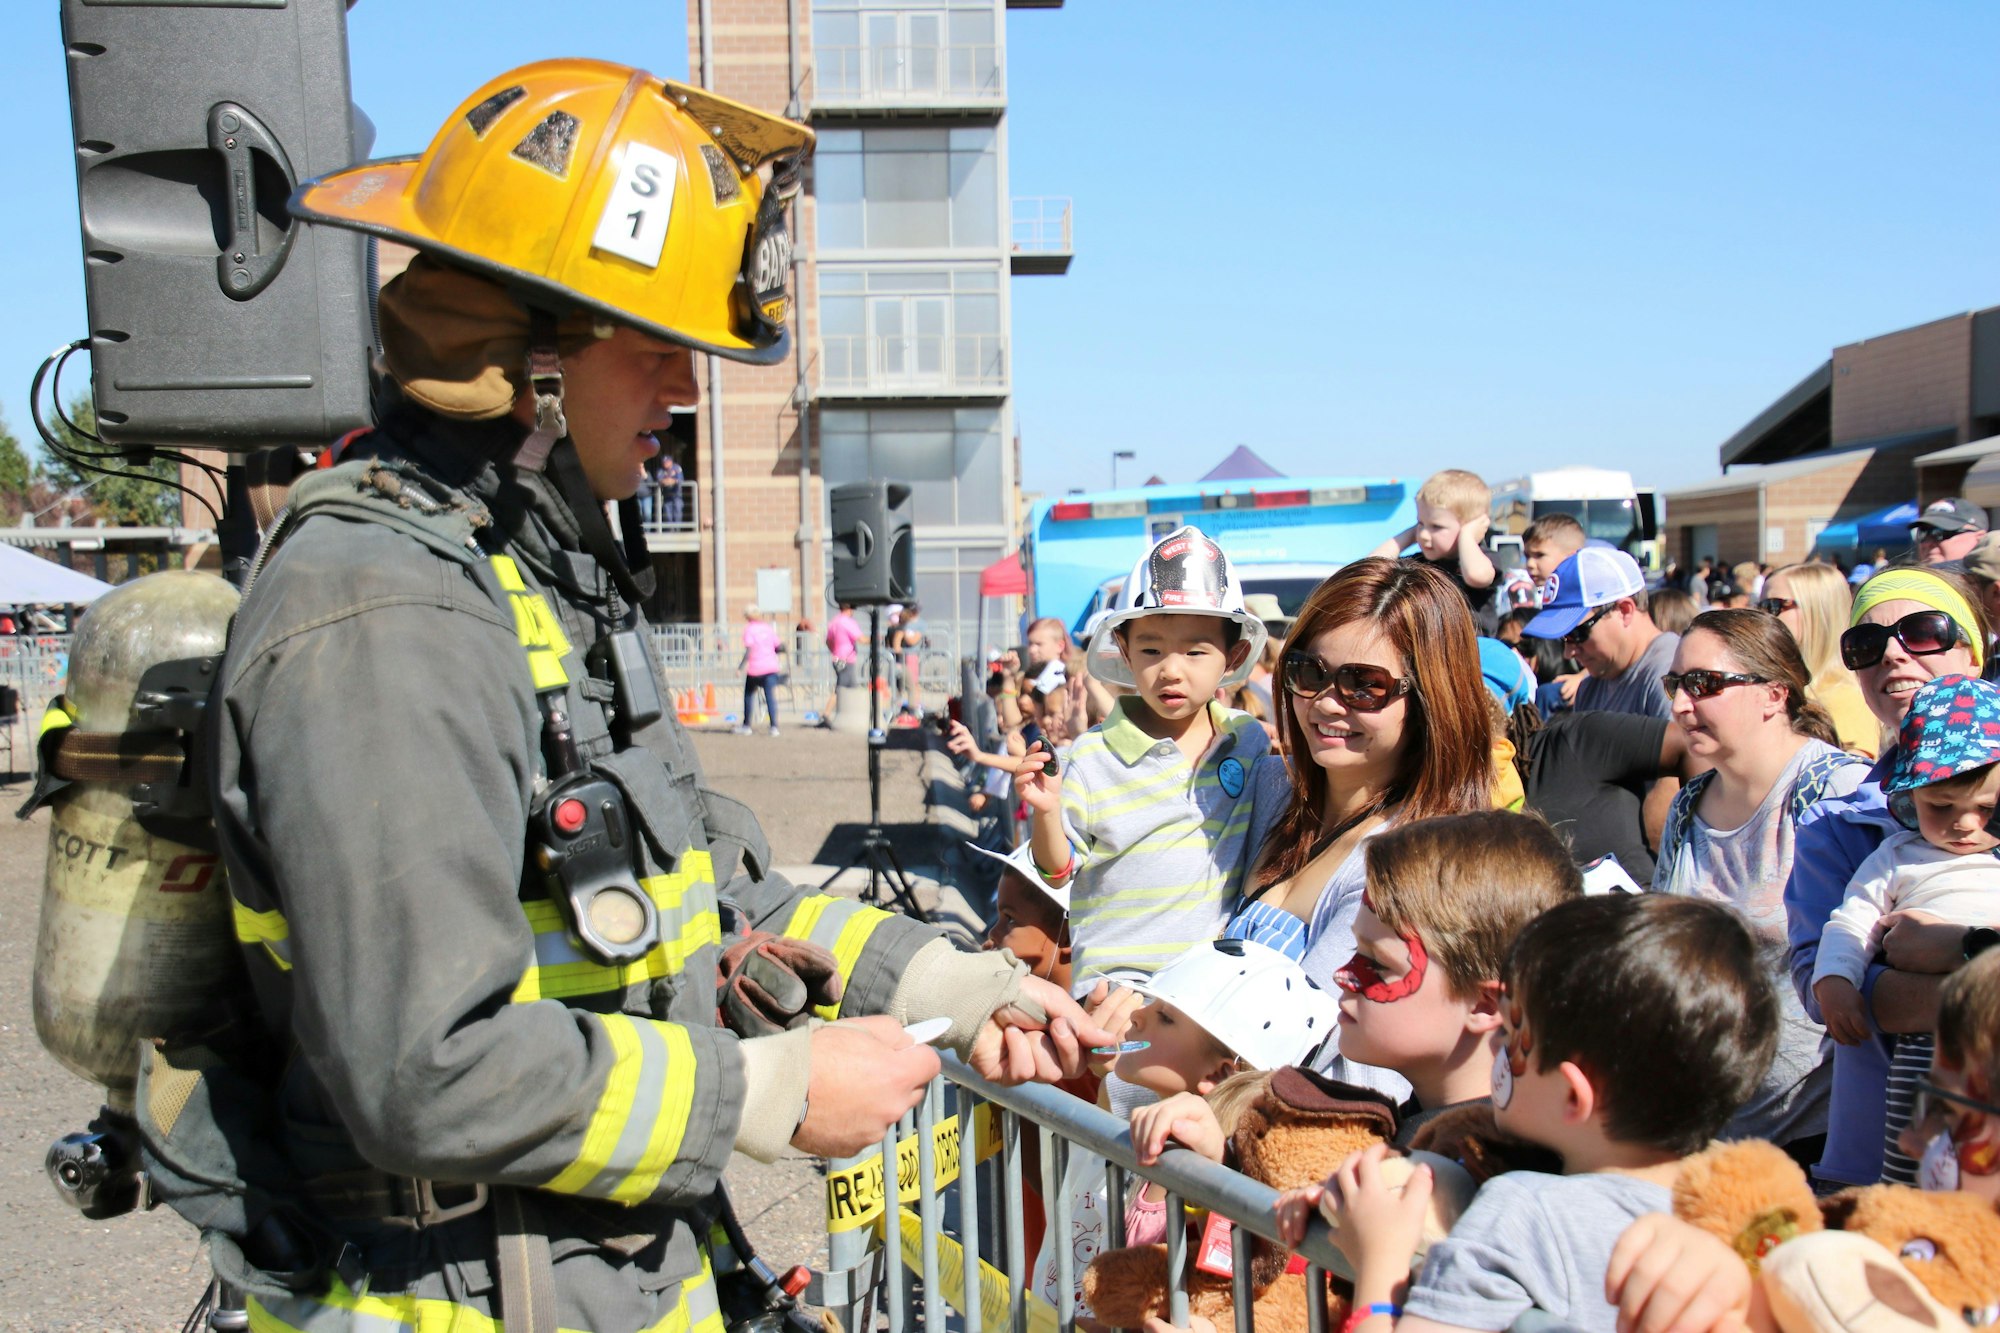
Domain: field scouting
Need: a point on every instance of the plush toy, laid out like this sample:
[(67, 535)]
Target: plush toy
[(1302, 1128), (1884, 1259)]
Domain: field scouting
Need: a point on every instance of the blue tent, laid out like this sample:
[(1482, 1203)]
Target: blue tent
[(1885, 527)]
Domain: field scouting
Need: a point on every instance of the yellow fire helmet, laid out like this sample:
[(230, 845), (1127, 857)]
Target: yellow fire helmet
[(585, 186)]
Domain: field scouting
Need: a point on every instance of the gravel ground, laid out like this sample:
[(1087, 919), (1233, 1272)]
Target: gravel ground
[(145, 1271)]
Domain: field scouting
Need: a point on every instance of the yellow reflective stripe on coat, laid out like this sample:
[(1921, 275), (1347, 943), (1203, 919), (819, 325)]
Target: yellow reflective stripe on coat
[(59, 714), (269, 929), (696, 1310), (535, 625), (562, 970), (840, 925), (635, 1131)]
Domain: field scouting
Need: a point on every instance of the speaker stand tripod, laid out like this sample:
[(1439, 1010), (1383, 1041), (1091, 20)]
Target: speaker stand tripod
[(876, 852)]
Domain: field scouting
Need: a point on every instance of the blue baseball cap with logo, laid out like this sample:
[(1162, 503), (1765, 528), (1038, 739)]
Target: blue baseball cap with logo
[(1593, 577)]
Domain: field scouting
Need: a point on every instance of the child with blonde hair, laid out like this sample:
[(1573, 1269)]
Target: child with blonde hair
[(1453, 514)]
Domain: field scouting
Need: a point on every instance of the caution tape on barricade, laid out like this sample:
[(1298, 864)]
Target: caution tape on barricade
[(993, 1285), (854, 1196)]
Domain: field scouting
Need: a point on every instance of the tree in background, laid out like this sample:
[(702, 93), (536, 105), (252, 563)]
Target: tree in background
[(141, 500), (16, 476)]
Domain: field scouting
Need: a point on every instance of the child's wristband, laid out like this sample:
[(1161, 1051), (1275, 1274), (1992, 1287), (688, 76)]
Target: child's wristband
[(1355, 1318), (1060, 877)]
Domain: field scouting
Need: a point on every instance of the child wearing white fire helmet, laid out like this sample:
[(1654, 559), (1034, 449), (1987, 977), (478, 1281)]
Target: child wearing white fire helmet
[(1146, 815)]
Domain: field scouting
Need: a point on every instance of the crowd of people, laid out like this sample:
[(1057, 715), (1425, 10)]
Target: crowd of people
[(1735, 832)]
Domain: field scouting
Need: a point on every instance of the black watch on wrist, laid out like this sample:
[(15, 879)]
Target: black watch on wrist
[(1977, 940)]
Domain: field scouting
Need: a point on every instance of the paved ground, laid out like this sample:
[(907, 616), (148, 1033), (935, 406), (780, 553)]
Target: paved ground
[(145, 1271)]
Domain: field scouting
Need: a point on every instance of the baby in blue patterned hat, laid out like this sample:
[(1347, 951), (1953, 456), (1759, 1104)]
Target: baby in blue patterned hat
[(1942, 791)]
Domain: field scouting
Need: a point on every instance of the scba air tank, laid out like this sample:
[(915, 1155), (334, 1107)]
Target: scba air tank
[(135, 933)]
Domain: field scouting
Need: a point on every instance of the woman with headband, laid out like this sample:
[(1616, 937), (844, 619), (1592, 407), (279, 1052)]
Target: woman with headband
[(1909, 625)]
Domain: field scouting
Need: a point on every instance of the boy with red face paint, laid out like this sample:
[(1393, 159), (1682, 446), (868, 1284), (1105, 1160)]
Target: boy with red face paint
[(1421, 996), (1634, 1026)]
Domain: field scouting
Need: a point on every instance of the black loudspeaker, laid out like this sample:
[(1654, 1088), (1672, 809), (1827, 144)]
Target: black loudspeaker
[(874, 545), (215, 318)]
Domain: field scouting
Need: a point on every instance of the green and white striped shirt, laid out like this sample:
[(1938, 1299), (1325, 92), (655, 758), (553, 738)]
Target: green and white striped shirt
[(1160, 842)]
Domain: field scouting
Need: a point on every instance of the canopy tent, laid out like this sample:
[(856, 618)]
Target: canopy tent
[(28, 580), (1004, 577), (1888, 527), (1243, 464)]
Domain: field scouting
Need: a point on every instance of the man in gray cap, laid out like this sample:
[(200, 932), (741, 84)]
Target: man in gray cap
[(1947, 530)]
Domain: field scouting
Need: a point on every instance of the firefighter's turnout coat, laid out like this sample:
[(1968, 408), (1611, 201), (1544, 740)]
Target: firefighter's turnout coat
[(377, 743)]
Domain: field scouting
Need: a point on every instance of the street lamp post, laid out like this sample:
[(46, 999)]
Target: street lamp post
[(1117, 454)]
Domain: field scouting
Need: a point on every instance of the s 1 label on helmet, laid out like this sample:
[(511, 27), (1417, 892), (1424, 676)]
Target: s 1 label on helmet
[(633, 224)]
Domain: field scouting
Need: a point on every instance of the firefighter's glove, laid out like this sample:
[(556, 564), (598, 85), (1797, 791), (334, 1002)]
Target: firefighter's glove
[(770, 983)]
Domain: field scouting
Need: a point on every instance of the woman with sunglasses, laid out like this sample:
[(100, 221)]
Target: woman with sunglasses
[(1738, 693), (1384, 717), (1814, 603), (1910, 625)]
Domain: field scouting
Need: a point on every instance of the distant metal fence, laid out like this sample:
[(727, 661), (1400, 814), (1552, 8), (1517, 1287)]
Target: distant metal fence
[(964, 1247), (697, 657), (691, 657)]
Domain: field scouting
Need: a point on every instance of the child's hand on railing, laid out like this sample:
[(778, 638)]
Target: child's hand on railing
[(1184, 1118), (1295, 1209)]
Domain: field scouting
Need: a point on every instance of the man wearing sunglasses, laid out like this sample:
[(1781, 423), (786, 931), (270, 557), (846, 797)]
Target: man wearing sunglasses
[(1947, 530), (1595, 602)]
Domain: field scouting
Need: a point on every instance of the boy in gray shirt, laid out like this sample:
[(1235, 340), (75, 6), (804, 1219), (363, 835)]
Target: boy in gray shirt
[(1635, 1026)]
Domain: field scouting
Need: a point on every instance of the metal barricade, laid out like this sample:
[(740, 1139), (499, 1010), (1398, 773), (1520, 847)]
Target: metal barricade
[(943, 1253), (36, 666)]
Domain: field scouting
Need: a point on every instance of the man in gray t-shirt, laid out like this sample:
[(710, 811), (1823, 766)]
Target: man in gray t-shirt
[(1595, 602), (1536, 1241)]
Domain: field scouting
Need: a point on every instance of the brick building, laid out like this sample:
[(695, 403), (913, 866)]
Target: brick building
[(907, 240), (1907, 417)]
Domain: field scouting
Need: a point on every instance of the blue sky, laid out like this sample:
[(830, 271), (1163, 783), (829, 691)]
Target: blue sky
[(1361, 238)]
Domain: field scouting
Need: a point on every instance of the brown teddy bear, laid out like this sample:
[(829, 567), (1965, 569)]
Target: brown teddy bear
[(1883, 1259), (1295, 1134)]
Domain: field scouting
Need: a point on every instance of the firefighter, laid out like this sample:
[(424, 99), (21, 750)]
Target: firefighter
[(482, 893)]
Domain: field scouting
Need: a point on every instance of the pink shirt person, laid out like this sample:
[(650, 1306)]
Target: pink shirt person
[(760, 648), (843, 635)]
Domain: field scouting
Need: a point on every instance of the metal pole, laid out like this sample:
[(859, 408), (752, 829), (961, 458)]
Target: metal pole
[(807, 536), (717, 508)]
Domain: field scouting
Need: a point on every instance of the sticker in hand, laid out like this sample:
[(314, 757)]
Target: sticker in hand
[(633, 224)]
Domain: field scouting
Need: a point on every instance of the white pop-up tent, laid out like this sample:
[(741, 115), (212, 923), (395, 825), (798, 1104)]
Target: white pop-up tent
[(28, 580)]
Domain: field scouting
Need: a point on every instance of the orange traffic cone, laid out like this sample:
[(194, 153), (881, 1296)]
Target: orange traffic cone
[(708, 697)]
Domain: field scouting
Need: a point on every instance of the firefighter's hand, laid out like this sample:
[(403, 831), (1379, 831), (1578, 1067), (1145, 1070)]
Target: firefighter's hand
[(770, 983), (1042, 1035), (866, 1072)]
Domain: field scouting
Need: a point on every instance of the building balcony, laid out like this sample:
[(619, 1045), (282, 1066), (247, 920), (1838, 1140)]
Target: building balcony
[(967, 365), (670, 516), (1039, 241), (921, 79)]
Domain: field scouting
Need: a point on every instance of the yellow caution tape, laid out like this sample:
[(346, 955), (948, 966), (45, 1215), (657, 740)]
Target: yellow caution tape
[(993, 1285), (854, 1196)]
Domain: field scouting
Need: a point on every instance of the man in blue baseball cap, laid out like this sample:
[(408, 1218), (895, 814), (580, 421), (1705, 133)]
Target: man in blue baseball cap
[(1595, 602)]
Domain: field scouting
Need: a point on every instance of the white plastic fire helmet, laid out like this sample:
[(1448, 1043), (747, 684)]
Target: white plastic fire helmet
[(1185, 573)]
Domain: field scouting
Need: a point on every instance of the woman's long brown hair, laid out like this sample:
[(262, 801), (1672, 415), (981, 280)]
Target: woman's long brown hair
[(1446, 763)]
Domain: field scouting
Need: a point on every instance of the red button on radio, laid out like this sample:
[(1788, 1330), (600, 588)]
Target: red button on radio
[(570, 815)]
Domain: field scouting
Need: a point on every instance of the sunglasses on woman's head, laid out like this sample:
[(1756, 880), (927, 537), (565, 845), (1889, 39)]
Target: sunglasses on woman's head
[(1921, 633), (1705, 684), (1366, 689), (1776, 605)]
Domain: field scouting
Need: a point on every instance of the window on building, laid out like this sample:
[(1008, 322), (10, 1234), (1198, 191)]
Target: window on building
[(890, 50), (907, 189), (952, 459), (910, 328)]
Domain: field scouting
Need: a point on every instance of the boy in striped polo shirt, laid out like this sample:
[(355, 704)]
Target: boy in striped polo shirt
[(1145, 820)]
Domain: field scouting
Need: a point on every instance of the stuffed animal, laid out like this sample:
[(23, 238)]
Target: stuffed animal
[(1884, 1259), (1302, 1128)]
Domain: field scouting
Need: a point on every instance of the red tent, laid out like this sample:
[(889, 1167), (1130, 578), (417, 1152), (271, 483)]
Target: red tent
[(1004, 577)]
